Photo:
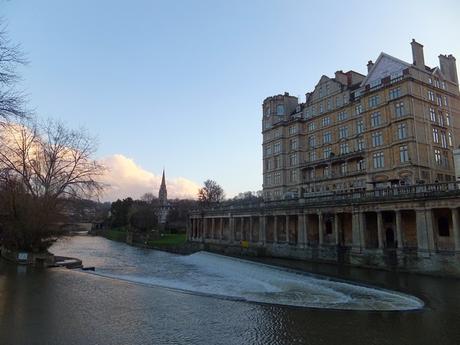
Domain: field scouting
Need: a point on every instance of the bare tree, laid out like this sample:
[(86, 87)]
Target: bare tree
[(11, 56), (148, 197), (210, 193), (40, 167)]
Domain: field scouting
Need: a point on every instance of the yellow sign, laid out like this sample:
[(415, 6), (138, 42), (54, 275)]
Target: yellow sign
[(245, 244)]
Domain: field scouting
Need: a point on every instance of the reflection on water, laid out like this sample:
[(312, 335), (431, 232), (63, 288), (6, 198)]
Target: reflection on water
[(59, 306), (218, 275)]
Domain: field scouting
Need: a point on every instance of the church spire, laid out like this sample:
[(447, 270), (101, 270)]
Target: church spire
[(163, 193)]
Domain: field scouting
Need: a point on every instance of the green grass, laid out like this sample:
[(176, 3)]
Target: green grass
[(116, 234), (169, 240)]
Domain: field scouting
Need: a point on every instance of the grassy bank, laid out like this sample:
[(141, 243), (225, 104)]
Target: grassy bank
[(169, 240), (116, 234)]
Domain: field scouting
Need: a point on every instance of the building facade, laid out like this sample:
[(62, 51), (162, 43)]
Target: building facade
[(361, 173), (398, 125)]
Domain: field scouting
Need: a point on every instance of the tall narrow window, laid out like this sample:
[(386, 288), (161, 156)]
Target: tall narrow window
[(402, 130), (399, 109), (403, 154), (378, 159)]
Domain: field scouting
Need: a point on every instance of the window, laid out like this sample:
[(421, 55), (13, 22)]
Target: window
[(435, 135), (326, 121), (378, 159), (430, 81), (267, 111), (440, 119), (437, 156), (439, 100), (269, 164), (326, 171), (327, 137), (277, 148), (327, 152), (294, 143), (278, 162), (395, 93), (280, 110), (377, 139), (338, 102), (268, 150), (277, 178), (403, 154), (268, 179), (402, 130), (361, 165), (293, 159), (311, 126), (293, 130), (376, 119), (343, 168), (278, 133), (328, 105), (343, 132), (294, 175), (374, 101), (443, 139), (358, 109), (342, 116), (344, 148), (443, 85), (432, 115), (360, 144), (445, 101), (449, 139), (321, 108), (431, 95), (312, 141), (399, 109), (312, 156), (359, 126), (447, 119)]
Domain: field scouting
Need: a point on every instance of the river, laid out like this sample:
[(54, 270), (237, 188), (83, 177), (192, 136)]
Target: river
[(140, 296)]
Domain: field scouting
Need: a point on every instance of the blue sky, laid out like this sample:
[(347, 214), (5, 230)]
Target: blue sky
[(179, 84)]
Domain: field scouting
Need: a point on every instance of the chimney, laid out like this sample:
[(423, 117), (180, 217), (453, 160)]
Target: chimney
[(417, 54), (370, 64), (448, 67), (341, 77)]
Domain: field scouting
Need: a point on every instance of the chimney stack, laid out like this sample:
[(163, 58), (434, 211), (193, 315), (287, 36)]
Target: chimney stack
[(448, 67), (370, 64), (417, 54)]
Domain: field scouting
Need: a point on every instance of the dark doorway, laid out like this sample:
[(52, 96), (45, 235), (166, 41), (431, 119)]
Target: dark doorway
[(390, 238)]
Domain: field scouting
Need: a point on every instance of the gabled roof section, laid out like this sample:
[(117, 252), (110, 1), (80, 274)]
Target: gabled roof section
[(437, 72), (384, 66)]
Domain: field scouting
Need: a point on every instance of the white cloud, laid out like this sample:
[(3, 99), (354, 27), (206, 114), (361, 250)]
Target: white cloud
[(127, 179)]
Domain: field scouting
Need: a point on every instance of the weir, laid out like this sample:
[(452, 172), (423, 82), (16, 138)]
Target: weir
[(229, 278)]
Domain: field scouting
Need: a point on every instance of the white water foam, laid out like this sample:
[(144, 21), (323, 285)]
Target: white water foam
[(226, 277)]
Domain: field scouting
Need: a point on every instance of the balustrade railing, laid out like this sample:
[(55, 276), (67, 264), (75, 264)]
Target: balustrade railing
[(421, 191)]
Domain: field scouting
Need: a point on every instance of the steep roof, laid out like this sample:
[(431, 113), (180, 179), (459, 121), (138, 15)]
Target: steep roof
[(384, 66)]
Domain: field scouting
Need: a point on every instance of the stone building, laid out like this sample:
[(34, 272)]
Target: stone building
[(395, 126), (361, 173)]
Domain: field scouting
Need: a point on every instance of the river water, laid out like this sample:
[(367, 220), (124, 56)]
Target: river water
[(139, 296)]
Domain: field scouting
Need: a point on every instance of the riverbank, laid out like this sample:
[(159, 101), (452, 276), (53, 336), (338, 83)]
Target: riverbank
[(172, 243)]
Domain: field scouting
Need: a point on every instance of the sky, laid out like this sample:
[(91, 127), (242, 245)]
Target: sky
[(179, 84)]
